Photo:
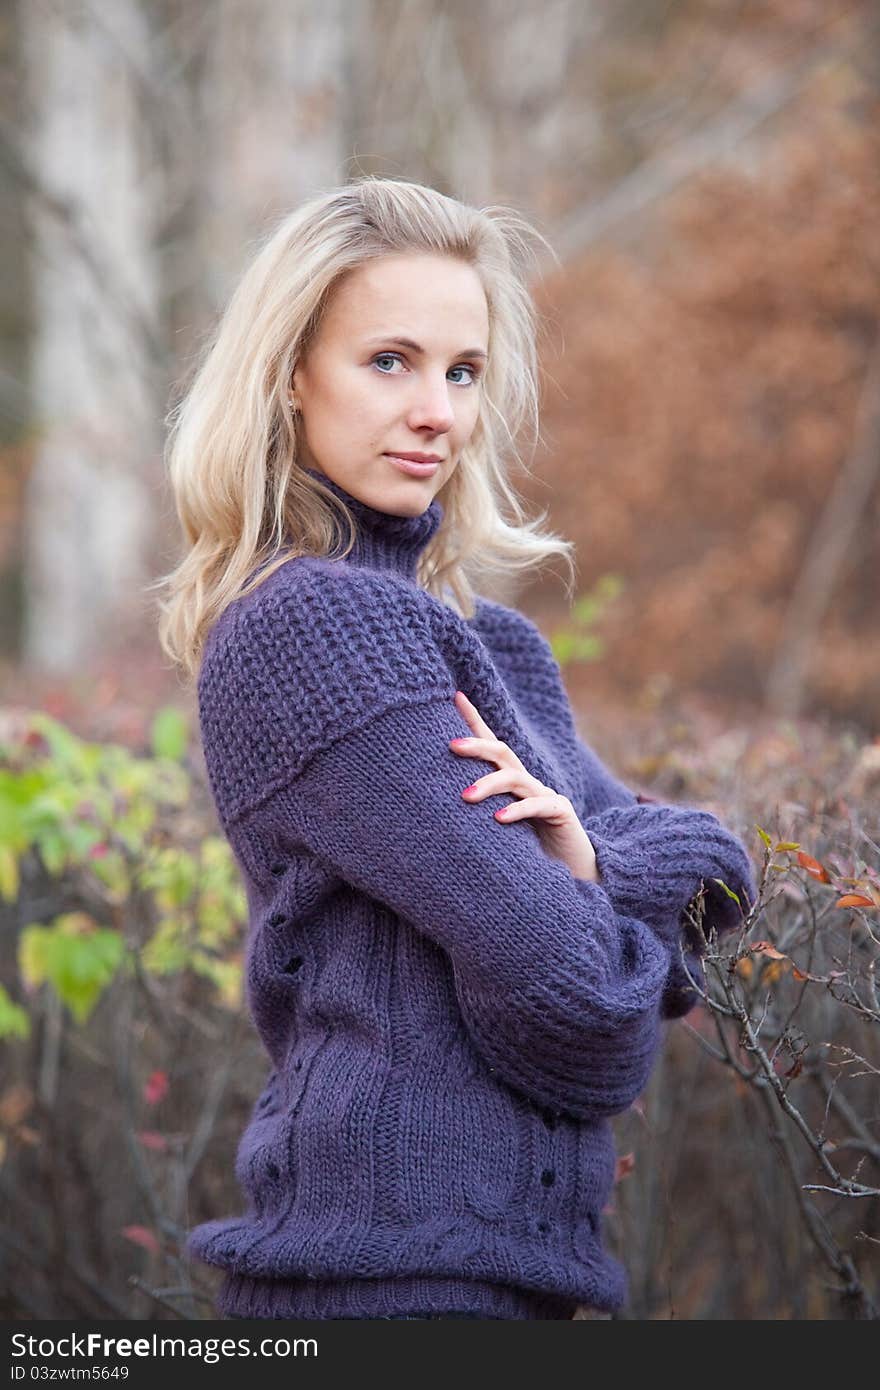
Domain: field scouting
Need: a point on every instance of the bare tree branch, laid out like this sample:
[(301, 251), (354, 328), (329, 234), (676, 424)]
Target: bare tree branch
[(665, 172), (826, 552)]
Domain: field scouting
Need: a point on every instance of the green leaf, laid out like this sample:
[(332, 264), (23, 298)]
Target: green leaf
[(74, 956), (8, 873), (14, 1020), (168, 949), (53, 851), (729, 891), (169, 735), (112, 869)]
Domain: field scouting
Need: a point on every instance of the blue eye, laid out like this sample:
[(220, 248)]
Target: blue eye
[(466, 367), (395, 357), (386, 356)]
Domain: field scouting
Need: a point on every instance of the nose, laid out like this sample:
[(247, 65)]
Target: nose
[(432, 407)]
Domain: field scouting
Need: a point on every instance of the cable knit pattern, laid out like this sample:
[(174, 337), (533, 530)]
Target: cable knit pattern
[(451, 1016)]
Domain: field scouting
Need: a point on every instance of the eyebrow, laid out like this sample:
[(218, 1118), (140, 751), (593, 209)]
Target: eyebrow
[(408, 342)]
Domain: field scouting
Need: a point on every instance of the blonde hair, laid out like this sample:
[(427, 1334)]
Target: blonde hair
[(245, 502)]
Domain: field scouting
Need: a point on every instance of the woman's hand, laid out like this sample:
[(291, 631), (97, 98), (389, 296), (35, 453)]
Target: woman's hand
[(561, 834)]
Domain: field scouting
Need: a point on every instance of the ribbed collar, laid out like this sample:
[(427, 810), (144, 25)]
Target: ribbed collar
[(383, 540)]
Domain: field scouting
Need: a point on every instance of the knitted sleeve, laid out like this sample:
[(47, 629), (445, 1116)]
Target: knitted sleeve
[(627, 873), (598, 785), (606, 804), (346, 690)]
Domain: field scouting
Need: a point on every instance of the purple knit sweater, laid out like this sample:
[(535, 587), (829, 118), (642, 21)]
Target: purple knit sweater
[(452, 1018)]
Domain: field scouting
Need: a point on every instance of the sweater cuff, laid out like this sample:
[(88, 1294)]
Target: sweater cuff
[(652, 860), (626, 872)]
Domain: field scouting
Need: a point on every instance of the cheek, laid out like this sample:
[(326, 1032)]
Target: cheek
[(467, 415), (345, 407)]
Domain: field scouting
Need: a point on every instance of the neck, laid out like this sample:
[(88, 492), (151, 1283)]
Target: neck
[(383, 540)]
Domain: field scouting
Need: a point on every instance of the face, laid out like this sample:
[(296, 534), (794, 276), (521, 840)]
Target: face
[(366, 398)]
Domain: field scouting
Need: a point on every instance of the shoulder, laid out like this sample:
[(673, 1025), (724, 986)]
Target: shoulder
[(318, 609), (315, 651), (508, 631), (506, 625)]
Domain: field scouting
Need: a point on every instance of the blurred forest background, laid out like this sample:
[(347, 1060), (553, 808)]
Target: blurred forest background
[(708, 172)]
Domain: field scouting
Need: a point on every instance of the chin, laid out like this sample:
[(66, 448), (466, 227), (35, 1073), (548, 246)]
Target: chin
[(410, 507)]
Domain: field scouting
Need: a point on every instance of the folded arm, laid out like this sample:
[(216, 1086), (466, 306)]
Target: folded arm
[(559, 993), (665, 886)]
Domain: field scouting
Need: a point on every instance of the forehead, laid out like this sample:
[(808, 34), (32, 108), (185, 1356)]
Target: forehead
[(426, 297)]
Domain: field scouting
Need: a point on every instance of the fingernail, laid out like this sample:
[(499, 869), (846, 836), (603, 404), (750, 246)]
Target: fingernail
[(458, 742)]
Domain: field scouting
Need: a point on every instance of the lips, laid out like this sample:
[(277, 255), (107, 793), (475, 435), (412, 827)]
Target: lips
[(414, 467), (413, 457)]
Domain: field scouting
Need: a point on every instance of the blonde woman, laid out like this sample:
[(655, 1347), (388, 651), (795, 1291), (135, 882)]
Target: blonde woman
[(465, 933)]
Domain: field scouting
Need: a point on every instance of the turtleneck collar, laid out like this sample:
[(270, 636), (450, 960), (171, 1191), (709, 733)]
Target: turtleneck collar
[(385, 541)]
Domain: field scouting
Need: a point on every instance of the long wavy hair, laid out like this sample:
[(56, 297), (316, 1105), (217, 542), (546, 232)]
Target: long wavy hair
[(244, 500)]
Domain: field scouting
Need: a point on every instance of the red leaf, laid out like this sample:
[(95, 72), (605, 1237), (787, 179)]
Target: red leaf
[(152, 1139), (142, 1235), (156, 1087)]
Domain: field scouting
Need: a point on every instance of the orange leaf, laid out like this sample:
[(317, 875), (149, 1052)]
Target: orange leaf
[(772, 971), (813, 867), (624, 1166), (15, 1103), (805, 975), (765, 948), (854, 900)]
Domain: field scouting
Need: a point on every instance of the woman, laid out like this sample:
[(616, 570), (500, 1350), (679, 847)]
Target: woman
[(464, 931)]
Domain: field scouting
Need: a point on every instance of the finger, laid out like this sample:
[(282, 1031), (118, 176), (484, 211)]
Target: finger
[(490, 749), (508, 779), (531, 808), (472, 715)]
